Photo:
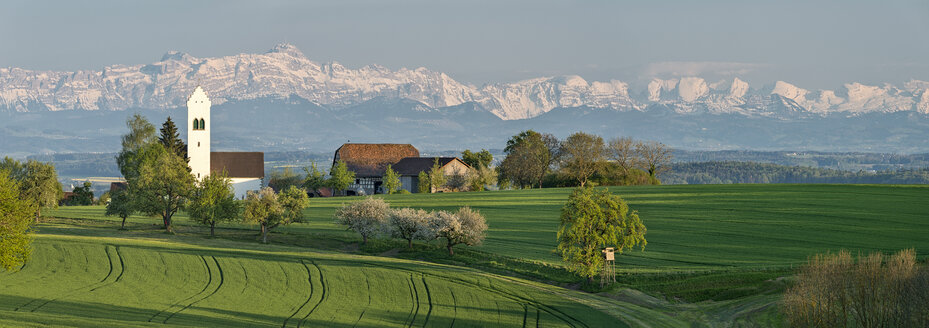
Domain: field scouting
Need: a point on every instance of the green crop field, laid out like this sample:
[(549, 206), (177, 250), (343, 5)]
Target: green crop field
[(702, 226), (715, 254), (98, 281)]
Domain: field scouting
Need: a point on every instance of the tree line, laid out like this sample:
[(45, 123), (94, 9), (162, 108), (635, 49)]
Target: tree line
[(748, 172), (536, 159)]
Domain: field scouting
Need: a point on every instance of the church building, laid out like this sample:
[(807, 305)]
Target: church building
[(245, 169)]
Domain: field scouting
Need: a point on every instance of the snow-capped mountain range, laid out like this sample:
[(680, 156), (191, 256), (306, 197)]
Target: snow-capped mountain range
[(284, 72)]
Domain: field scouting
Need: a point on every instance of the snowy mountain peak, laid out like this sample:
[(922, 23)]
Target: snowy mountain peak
[(789, 91), (738, 89), (692, 88), (284, 72)]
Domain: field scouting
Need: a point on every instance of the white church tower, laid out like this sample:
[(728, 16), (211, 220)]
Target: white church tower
[(198, 132)]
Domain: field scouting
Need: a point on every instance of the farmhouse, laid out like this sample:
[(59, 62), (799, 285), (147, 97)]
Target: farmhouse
[(245, 169), (409, 168), (370, 161)]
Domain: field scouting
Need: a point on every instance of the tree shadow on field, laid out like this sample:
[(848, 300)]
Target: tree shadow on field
[(67, 313)]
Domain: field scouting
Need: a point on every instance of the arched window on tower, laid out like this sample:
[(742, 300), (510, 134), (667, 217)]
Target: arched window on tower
[(196, 124), (202, 124)]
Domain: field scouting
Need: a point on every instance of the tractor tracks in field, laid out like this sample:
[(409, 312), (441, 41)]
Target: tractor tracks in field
[(38, 303), (414, 308), (454, 307), (429, 298), (203, 294), (324, 293), (416, 299), (525, 302), (309, 280)]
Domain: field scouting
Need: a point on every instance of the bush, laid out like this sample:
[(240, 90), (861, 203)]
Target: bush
[(366, 217), (834, 290), (402, 192)]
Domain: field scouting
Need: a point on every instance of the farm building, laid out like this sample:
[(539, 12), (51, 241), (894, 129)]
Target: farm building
[(409, 169), (245, 169), (369, 162)]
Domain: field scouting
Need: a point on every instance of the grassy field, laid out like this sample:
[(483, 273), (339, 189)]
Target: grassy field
[(716, 255), (701, 227), (108, 281)]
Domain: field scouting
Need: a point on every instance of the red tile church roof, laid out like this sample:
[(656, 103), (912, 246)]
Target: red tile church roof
[(239, 164)]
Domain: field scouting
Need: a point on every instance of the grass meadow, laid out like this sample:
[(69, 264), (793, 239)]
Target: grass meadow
[(716, 255)]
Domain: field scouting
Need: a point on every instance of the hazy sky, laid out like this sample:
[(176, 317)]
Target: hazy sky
[(814, 44)]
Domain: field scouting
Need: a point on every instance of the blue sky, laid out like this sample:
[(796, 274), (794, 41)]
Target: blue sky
[(814, 44)]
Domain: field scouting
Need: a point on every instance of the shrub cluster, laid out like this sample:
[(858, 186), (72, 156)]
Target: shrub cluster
[(834, 290), (373, 218)]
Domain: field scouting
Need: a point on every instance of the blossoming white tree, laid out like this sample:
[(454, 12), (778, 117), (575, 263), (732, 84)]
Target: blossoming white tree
[(463, 227), (366, 217), (410, 224)]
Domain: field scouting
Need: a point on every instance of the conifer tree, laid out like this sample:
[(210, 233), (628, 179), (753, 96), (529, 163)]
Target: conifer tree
[(171, 140)]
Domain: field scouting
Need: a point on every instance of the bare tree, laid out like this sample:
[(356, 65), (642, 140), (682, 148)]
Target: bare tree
[(656, 157), (623, 151)]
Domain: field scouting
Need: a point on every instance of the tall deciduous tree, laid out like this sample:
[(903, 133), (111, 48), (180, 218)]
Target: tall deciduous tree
[(391, 180), (479, 159), (340, 177), (656, 157), (527, 160), (120, 205), (366, 217), (15, 223), (213, 201), (463, 227), (592, 220), (136, 146), (171, 140), (315, 178), (582, 155), (623, 151), (39, 184), (437, 176), (554, 149), (163, 185)]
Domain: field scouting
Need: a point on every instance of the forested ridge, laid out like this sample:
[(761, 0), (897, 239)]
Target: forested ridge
[(726, 172)]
